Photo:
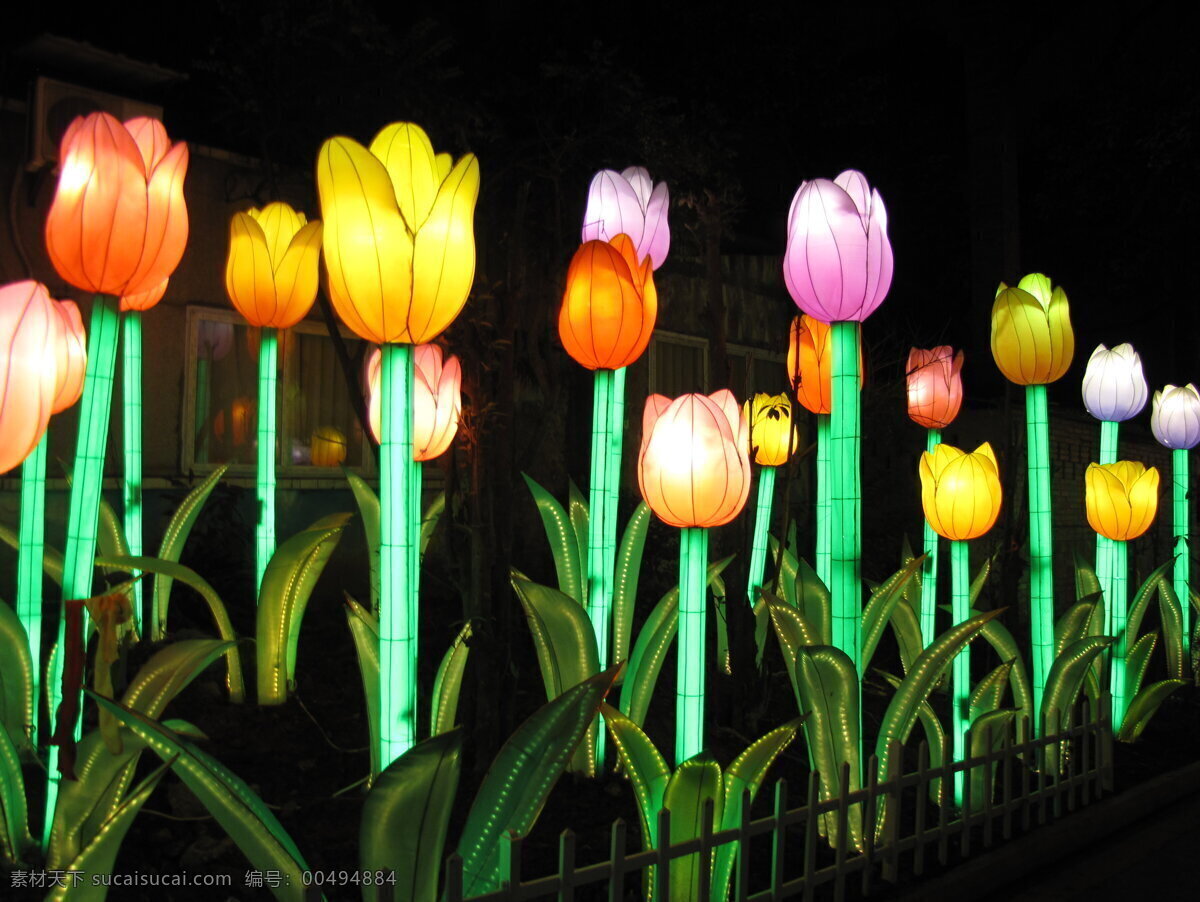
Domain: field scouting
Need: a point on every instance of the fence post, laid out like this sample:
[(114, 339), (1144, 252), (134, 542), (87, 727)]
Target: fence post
[(742, 887), (923, 784), (843, 828), (616, 877), (777, 837), (989, 784), (812, 829), (891, 863), (510, 863), (662, 870), (454, 878), (566, 866), (869, 823), (1106, 747)]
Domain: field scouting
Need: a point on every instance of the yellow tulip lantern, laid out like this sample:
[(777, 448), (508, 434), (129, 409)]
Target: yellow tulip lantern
[(1121, 499), (1033, 343), (961, 495), (773, 439), (399, 248)]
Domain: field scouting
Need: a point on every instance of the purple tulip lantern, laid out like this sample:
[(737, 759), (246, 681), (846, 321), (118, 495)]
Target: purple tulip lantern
[(629, 203)]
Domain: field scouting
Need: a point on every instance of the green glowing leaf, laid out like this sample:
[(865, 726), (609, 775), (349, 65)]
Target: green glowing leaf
[(566, 648), (828, 686), (175, 537), (100, 854), (793, 631), (1141, 602), (907, 629), (233, 804), (1073, 624), (287, 584), (629, 566), (14, 812), (448, 683), (233, 661), (813, 598), (577, 507), (1065, 681), (110, 537), (405, 816), (1171, 615), (563, 543), (647, 771), (646, 660), (998, 636), (523, 774), (989, 731), (981, 577), (52, 559), (788, 575), (1137, 660), (696, 782), (168, 671), (429, 519), (1086, 583), (989, 692), (935, 739), (368, 509), (16, 679), (881, 604), (364, 629), (1144, 707)]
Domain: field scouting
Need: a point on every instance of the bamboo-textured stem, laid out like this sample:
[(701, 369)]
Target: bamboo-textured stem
[(929, 570), (30, 576), (1179, 494), (131, 411), (847, 505), (824, 501), (268, 378), (960, 691), (1108, 455), (1041, 542), (87, 476), (397, 539), (762, 524), (1118, 602), (689, 693), (608, 415)]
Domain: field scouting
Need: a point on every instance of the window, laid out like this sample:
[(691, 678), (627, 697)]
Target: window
[(317, 427), (678, 363)]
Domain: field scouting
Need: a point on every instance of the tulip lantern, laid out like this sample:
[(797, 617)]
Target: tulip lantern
[(1175, 422), (117, 227), (773, 439), (1122, 499), (838, 268), (1114, 390), (934, 381), (629, 203), (399, 248), (271, 278), (810, 371), (1032, 344), (694, 473), (960, 493), (605, 322)]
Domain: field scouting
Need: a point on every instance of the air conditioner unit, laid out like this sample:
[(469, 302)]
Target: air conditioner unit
[(56, 103)]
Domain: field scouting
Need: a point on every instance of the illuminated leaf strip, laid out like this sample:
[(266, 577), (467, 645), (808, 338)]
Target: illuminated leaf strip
[(1179, 482), (1041, 543), (1117, 600), (397, 537), (960, 692), (689, 692), (29, 561), (846, 500), (1108, 455), (131, 396), (268, 377), (824, 501), (608, 410), (762, 522), (930, 568), (86, 478)]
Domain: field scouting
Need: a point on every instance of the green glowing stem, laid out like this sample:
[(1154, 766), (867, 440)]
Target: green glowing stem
[(1041, 544), (29, 563), (845, 493), (960, 692), (762, 523), (87, 477), (1118, 601), (929, 570), (824, 501), (131, 393), (1179, 493), (608, 414), (689, 692), (1108, 455), (415, 513), (398, 536), (268, 379)]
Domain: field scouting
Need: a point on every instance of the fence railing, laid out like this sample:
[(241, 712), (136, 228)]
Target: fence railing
[(1018, 785)]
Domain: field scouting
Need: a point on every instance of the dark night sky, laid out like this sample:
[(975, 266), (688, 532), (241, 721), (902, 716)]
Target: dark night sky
[(1095, 116)]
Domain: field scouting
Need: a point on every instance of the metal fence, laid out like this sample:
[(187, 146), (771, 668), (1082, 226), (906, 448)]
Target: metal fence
[(1024, 784)]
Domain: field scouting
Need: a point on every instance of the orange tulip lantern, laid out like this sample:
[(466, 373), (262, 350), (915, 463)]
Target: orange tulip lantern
[(30, 330), (810, 369), (328, 447), (694, 472), (437, 400)]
